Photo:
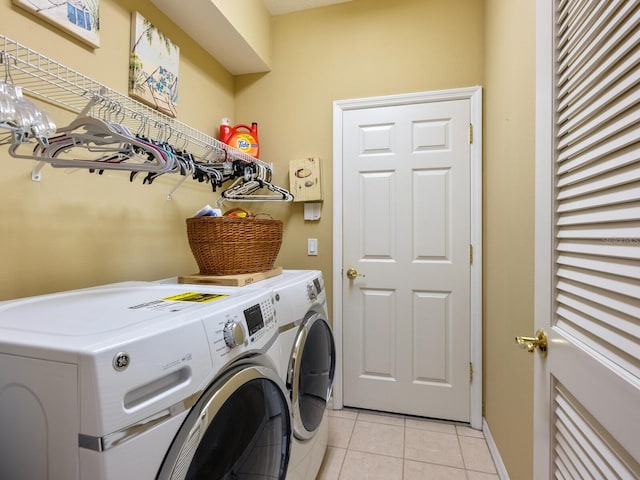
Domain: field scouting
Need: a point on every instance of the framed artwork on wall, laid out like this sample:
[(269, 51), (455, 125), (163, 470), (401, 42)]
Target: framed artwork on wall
[(153, 66), (80, 18)]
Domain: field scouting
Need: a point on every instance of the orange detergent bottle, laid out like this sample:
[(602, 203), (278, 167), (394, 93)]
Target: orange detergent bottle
[(241, 137)]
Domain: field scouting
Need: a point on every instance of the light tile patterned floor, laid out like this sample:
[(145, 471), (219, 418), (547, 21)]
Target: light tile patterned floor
[(366, 445)]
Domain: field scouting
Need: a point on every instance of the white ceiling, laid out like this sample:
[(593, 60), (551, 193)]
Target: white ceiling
[(278, 7)]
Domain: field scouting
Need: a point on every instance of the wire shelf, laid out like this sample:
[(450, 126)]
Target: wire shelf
[(54, 83)]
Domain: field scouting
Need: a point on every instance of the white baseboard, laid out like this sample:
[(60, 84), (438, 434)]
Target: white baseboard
[(493, 449)]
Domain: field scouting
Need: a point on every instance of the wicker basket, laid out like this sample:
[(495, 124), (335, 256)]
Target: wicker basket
[(231, 245)]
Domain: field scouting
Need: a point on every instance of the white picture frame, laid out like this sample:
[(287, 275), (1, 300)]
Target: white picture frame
[(153, 66), (79, 18)]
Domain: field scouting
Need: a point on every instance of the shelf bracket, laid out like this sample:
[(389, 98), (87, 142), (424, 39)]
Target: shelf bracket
[(36, 175), (176, 187)]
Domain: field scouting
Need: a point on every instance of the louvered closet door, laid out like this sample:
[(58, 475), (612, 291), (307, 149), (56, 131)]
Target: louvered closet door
[(587, 406)]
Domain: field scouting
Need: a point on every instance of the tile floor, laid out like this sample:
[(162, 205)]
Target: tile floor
[(366, 445)]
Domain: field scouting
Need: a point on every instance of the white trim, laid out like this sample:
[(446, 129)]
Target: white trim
[(543, 247), (475, 346), (474, 96), (337, 252), (501, 470)]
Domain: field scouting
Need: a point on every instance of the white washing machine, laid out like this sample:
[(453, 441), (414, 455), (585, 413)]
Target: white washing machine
[(306, 350), (142, 381)]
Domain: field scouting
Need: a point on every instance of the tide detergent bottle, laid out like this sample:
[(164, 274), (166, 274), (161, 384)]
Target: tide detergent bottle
[(241, 137)]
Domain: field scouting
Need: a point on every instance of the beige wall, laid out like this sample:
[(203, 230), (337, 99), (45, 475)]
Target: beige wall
[(81, 229), (508, 228)]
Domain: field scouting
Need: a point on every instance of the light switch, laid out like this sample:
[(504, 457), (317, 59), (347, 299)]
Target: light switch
[(312, 246)]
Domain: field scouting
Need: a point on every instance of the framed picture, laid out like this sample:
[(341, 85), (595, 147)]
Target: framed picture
[(153, 66), (80, 18)]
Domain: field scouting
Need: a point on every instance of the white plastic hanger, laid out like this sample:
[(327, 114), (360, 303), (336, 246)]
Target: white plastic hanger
[(257, 177), (90, 142)]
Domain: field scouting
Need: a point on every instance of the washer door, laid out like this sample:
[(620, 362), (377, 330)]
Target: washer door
[(239, 429), (310, 374)]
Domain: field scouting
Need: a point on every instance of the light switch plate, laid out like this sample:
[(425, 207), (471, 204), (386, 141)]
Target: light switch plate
[(312, 246)]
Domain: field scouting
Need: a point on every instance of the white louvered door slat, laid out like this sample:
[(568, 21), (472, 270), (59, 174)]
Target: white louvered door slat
[(595, 216), (608, 198), (582, 72), (614, 301), (624, 78), (576, 433), (625, 139), (614, 161), (624, 267), (600, 109), (574, 40), (590, 261), (619, 176), (603, 130), (597, 37)]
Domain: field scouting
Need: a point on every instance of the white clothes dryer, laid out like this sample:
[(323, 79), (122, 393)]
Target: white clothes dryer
[(307, 360), (306, 349), (142, 381), (308, 356)]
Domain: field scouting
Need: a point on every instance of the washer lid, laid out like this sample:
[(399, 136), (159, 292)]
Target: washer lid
[(109, 308)]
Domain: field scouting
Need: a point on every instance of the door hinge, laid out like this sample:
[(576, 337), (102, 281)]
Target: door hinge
[(470, 372), (471, 133), (470, 254)]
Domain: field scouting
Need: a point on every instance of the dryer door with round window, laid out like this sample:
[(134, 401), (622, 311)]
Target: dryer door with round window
[(310, 374), (240, 428)]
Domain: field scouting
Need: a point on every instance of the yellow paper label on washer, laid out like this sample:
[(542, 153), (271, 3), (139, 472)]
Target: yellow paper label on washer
[(196, 297)]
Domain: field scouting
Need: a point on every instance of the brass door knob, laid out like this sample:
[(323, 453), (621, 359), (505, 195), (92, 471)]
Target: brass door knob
[(352, 273), (539, 342)]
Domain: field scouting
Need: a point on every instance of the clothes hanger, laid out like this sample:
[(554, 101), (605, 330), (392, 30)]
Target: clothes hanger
[(255, 178), (76, 144), (246, 192), (23, 119), (89, 136)]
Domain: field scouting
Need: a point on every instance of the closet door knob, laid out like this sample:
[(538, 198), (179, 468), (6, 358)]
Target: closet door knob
[(539, 342)]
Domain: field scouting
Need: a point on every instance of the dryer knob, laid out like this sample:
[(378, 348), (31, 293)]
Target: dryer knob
[(233, 334), (311, 292)]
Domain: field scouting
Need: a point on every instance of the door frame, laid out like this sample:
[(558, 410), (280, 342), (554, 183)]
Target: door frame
[(544, 228), (474, 95)]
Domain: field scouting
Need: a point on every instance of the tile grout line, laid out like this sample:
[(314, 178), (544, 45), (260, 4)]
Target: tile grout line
[(464, 462), (404, 445), (357, 419), (346, 452)]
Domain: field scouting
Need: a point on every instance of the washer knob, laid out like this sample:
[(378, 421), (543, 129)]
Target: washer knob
[(233, 334)]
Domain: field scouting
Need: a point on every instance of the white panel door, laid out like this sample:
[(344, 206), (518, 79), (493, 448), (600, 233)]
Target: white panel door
[(587, 388), (406, 231)]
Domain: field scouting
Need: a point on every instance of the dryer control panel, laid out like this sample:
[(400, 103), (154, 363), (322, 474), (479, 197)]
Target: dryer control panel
[(249, 326), (314, 289)]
